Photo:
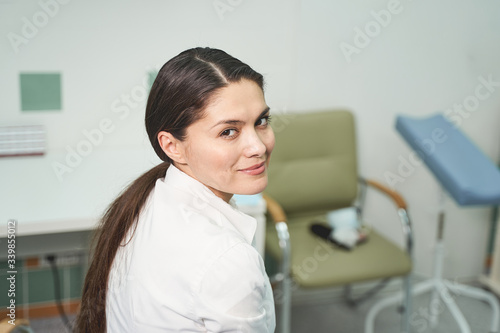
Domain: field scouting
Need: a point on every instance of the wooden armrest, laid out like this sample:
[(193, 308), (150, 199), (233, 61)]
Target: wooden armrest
[(395, 196), (5, 327), (275, 209)]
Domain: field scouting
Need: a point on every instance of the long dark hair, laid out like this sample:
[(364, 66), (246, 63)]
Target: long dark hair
[(183, 88)]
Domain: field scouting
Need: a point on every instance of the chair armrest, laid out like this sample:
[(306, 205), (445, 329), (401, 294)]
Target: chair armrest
[(275, 209), (402, 210), (5, 327), (395, 196)]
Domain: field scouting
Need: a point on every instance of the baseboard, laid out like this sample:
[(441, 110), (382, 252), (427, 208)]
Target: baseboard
[(43, 310)]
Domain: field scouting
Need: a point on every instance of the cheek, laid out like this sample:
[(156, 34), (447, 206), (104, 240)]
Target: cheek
[(216, 156)]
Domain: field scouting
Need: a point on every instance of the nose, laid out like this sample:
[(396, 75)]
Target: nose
[(254, 145)]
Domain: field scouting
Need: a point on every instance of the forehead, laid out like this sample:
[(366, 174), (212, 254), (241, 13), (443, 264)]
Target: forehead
[(240, 98)]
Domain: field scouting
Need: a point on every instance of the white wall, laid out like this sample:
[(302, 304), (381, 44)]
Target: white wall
[(426, 58)]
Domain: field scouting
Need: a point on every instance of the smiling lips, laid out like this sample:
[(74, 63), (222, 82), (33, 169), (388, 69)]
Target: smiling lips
[(256, 169)]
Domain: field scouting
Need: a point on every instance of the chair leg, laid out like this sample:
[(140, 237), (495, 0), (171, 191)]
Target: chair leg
[(286, 284), (353, 302), (480, 294), (286, 306), (405, 325), (377, 307), (452, 306), (404, 296), (441, 287)]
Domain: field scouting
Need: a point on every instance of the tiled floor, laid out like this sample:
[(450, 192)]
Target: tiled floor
[(339, 318)]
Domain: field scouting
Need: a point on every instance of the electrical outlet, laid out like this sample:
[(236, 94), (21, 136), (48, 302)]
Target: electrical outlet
[(62, 259)]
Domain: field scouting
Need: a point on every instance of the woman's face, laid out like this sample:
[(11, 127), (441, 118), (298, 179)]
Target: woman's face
[(229, 149)]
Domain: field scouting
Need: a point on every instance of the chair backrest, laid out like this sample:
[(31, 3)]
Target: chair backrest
[(314, 164)]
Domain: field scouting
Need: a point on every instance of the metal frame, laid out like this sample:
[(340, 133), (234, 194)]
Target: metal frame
[(284, 276), (440, 288), (286, 280), (406, 298)]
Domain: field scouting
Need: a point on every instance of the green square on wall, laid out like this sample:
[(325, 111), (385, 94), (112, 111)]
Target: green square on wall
[(151, 78), (40, 91)]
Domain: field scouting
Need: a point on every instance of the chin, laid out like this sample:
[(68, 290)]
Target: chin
[(256, 188)]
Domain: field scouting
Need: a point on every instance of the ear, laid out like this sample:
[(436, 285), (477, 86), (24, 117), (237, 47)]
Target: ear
[(171, 146)]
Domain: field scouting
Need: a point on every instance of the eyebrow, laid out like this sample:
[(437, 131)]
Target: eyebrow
[(239, 122)]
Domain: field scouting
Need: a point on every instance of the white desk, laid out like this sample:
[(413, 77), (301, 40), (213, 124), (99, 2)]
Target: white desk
[(31, 193)]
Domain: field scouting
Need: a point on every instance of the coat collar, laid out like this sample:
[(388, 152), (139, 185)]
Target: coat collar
[(244, 224)]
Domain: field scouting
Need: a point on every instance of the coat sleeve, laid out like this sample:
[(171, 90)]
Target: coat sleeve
[(235, 293)]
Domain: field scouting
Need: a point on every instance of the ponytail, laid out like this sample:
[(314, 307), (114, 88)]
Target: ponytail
[(120, 217)]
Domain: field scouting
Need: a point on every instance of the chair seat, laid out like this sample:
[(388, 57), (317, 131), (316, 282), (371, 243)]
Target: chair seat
[(317, 263)]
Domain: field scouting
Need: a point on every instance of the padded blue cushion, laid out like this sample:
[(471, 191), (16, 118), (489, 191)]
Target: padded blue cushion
[(468, 175)]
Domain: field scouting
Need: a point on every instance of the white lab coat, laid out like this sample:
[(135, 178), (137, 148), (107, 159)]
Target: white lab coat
[(189, 267)]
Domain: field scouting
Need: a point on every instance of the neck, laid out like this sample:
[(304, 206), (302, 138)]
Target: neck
[(223, 195)]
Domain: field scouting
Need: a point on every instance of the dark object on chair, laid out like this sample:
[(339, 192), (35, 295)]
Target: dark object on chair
[(326, 233)]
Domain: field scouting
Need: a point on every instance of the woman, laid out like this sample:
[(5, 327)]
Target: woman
[(173, 254)]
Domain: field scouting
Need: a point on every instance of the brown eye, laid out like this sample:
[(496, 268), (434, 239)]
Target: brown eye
[(264, 121), (228, 133)]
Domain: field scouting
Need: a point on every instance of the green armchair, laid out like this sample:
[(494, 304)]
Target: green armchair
[(313, 170)]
